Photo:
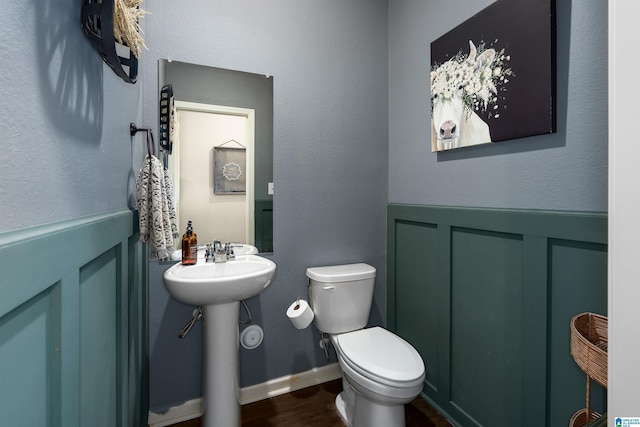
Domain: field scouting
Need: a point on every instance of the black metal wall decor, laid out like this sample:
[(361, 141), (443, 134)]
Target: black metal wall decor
[(166, 113), (97, 23)]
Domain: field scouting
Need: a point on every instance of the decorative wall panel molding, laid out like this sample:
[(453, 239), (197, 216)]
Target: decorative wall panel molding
[(486, 296), (73, 324)]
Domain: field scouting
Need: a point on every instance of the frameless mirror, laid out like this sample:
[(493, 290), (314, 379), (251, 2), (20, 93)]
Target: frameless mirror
[(222, 156)]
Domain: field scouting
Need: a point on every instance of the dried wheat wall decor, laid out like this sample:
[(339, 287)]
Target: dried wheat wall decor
[(126, 26)]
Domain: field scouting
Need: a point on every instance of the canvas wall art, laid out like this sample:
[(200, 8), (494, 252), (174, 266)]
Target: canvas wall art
[(493, 78)]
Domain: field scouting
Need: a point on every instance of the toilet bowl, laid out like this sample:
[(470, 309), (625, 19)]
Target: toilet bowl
[(380, 371), (383, 371)]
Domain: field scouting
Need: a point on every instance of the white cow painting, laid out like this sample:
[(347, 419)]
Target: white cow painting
[(460, 87)]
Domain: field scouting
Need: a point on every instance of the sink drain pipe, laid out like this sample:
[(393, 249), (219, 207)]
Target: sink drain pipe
[(197, 315)]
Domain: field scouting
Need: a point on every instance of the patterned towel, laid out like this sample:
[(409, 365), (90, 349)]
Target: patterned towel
[(153, 208), (168, 185)]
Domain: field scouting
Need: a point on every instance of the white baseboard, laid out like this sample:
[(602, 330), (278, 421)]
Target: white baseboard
[(275, 387), (176, 414), (289, 383)]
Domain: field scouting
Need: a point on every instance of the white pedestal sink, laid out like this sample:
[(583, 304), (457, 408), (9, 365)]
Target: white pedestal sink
[(219, 287)]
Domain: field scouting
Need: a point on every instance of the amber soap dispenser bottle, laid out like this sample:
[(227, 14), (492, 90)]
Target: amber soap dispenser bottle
[(189, 246)]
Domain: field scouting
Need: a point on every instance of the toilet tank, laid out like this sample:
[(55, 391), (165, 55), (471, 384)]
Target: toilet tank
[(341, 296)]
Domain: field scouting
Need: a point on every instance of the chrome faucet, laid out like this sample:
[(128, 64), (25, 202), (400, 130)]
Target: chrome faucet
[(217, 253), (211, 254), (220, 255)]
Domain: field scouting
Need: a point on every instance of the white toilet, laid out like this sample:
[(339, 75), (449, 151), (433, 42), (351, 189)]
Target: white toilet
[(380, 371)]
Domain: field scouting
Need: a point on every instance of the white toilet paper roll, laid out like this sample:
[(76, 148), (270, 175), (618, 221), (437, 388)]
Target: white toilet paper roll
[(300, 314)]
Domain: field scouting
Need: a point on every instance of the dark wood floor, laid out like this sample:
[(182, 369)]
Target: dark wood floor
[(315, 407)]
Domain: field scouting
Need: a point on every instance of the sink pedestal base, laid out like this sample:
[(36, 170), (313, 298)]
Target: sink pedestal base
[(221, 366), (219, 287)]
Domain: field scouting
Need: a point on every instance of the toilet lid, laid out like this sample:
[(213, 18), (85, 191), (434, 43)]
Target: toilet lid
[(380, 353)]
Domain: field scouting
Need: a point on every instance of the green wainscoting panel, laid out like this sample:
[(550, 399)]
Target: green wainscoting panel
[(99, 341), (137, 332), (574, 287), (418, 293), (70, 353), (29, 343), (486, 340), (263, 213), (486, 296)]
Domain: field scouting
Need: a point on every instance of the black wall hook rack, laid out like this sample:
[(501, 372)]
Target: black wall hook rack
[(166, 115)]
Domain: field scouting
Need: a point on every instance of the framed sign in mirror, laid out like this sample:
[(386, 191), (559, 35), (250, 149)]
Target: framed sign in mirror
[(229, 166)]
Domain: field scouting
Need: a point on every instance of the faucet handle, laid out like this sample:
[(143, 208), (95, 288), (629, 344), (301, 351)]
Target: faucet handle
[(228, 248), (208, 254)]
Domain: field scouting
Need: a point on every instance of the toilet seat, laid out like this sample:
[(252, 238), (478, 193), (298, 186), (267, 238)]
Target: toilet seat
[(381, 356)]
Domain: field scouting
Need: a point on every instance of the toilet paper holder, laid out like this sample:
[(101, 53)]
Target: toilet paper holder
[(300, 313)]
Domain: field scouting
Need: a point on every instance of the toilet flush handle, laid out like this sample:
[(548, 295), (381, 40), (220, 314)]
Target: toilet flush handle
[(329, 288)]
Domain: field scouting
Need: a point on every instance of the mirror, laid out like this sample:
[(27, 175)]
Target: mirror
[(222, 156)]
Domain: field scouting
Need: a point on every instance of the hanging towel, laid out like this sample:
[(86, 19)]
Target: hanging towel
[(168, 185), (153, 208)]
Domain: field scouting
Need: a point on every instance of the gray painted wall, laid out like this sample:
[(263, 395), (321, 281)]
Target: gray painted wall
[(329, 62), (64, 120), (564, 171), (346, 80)]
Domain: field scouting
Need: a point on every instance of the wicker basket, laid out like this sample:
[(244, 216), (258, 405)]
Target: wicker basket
[(579, 419), (589, 345)]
